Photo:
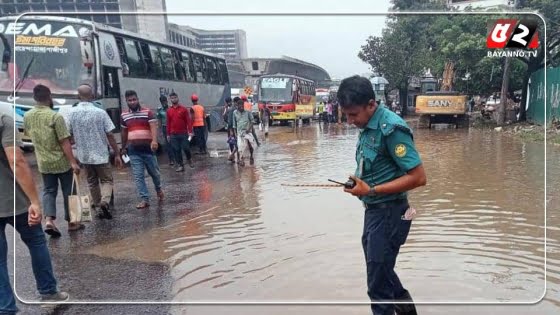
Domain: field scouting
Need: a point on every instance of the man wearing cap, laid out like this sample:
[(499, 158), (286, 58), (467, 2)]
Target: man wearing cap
[(162, 117), (198, 124), (388, 165), (179, 129)]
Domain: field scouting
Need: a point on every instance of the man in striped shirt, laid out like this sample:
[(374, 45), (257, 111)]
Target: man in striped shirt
[(139, 140)]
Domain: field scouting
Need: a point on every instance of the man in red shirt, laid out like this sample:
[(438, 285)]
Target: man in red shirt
[(198, 124), (179, 130)]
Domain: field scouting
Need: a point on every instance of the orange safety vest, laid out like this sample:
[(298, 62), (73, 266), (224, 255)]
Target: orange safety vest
[(198, 120), (248, 106)]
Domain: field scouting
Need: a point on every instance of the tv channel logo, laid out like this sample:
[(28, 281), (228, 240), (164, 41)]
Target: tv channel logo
[(513, 33)]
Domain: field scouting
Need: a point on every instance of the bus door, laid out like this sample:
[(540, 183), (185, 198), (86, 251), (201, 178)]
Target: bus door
[(111, 94), (111, 55)]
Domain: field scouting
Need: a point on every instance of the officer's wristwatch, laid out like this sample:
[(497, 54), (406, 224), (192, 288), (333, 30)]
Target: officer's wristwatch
[(371, 192)]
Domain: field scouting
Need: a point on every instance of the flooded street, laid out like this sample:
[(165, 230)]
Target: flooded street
[(230, 234)]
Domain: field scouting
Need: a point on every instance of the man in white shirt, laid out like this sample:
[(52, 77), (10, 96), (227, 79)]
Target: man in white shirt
[(91, 129)]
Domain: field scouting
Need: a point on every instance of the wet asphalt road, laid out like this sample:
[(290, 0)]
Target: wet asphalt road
[(89, 277)]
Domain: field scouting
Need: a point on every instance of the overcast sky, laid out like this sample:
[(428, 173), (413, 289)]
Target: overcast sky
[(331, 42)]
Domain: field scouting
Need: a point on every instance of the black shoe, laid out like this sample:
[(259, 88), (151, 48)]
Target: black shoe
[(405, 309), (105, 210)]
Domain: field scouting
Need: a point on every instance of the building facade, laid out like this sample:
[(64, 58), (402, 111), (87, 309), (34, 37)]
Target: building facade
[(231, 44), (154, 26)]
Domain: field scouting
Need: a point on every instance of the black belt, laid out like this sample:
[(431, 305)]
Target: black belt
[(386, 204)]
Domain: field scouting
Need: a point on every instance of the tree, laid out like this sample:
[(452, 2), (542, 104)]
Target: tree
[(398, 54)]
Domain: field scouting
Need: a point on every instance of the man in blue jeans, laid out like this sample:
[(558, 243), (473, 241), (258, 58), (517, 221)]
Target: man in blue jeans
[(27, 222), (139, 140)]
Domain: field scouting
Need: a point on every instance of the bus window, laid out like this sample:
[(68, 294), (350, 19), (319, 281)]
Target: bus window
[(157, 64), (199, 68), (179, 71), (135, 63), (146, 55), (222, 68), (122, 54), (212, 71), (168, 63), (188, 67)]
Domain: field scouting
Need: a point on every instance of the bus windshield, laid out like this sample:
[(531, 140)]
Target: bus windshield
[(275, 89), (46, 52)]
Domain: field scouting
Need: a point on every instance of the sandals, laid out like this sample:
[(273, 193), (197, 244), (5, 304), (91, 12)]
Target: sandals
[(160, 195), (142, 205), (75, 227), (50, 229)]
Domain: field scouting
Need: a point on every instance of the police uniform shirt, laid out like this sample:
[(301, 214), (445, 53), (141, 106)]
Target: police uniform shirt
[(385, 151)]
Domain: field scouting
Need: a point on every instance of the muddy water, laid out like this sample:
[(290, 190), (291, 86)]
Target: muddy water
[(478, 236)]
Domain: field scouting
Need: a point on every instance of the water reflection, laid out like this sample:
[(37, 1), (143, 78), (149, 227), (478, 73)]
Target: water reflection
[(479, 235)]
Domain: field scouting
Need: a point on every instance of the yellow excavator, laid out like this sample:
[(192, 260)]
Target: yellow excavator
[(444, 105)]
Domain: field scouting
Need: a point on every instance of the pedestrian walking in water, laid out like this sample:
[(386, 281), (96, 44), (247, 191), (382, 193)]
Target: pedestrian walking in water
[(55, 159), (199, 125), (162, 117), (265, 119), (388, 165), (179, 130), (92, 131), (139, 141), (243, 127), (25, 219), (232, 142)]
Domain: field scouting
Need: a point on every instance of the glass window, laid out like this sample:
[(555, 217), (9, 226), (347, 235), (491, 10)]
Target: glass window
[(213, 76), (68, 7), (53, 7), (157, 67), (188, 66), (38, 7), (82, 7), (97, 8), (222, 68), (113, 18), (200, 68), (179, 71), (112, 8), (22, 8), (100, 18), (133, 60), (8, 10), (168, 62)]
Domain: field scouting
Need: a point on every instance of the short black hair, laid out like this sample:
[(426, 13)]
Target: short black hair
[(228, 99), (173, 94), (355, 91), (235, 99), (41, 93), (130, 93), (163, 98)]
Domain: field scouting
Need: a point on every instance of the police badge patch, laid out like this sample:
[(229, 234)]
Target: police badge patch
[(400, 150)]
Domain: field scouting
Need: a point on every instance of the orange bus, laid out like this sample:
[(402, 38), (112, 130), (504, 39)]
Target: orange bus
[(288, 97)]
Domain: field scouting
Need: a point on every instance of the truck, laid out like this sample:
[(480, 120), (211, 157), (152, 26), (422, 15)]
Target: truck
[(444, 105)]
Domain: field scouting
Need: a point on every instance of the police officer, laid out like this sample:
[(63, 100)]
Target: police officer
[(388, 167)]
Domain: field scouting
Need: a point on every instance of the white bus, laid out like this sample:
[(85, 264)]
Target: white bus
[(63, 53)]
